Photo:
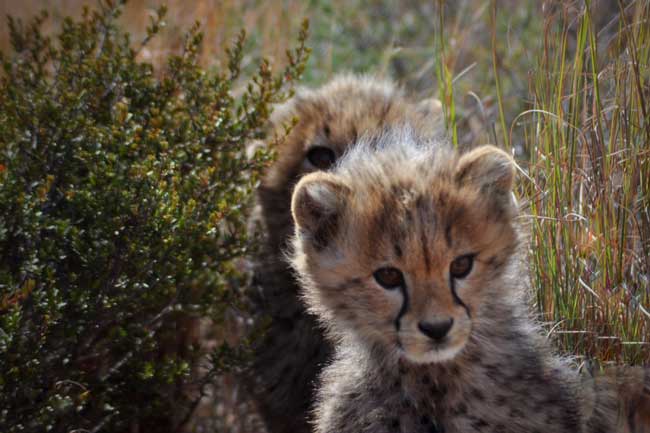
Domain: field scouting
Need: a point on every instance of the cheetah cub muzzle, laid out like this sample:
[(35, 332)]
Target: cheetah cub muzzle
[(411, 258)]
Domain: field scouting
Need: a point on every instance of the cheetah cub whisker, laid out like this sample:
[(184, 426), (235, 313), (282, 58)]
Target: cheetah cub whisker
[(411, 257)]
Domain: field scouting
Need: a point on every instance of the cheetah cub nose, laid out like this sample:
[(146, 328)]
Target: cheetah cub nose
[(436, 330)]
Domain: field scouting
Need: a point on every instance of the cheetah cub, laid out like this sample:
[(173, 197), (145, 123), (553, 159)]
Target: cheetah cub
[(292, 349), (411, 258)]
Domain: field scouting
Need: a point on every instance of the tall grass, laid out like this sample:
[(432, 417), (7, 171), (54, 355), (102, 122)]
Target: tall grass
[(566, 87), (587, 134)]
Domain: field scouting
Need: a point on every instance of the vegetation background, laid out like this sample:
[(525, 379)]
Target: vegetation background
[(564, 85)]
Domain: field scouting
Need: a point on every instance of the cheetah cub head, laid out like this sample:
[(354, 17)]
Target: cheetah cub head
[(406, 245)]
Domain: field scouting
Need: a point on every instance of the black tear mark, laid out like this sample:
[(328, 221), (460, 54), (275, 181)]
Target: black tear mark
[(405, 306), (398, 251), (452, 284)]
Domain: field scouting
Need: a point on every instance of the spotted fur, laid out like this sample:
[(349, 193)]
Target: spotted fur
[(292, 350), (403, 201)]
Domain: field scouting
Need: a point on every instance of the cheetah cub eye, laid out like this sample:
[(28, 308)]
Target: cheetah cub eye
[(321, 157), (461, 266), (389, 278)]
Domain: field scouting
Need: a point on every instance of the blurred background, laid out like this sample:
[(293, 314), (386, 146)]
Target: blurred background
[(421, 44)]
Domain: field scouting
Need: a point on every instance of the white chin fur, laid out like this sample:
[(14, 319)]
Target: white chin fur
[(433, 356)]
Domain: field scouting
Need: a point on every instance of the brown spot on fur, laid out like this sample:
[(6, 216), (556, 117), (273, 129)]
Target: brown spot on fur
[(448, 235), (477, 394), (492, 262), (353, 282), (426, 257), (480, 424), (460, 409)]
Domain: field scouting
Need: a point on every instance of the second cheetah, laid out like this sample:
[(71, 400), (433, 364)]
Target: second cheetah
[(411, 257)]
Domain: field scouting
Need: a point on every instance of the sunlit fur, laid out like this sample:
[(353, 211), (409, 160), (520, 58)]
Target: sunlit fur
[(402, 200), (291, 350)]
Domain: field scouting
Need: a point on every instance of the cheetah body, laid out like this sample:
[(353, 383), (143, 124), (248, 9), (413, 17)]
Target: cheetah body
[(402, 201)]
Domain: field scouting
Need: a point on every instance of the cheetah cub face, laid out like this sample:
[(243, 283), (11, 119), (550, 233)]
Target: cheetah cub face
[(404, 243)]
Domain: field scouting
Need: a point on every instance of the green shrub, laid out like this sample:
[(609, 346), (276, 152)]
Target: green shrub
[(123, 199)]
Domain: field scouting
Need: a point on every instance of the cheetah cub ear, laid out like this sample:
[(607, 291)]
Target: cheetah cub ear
[(492, 171), (316, 206)]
